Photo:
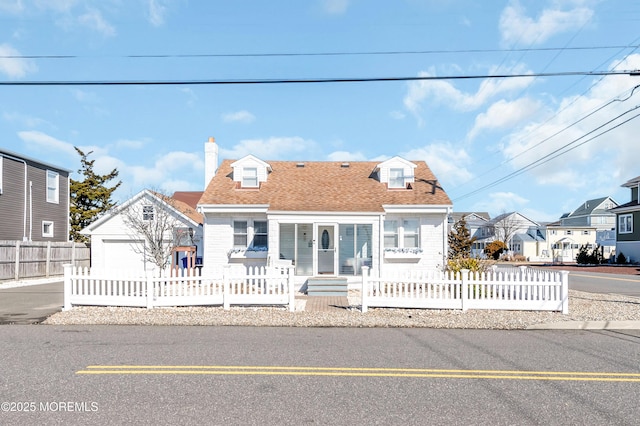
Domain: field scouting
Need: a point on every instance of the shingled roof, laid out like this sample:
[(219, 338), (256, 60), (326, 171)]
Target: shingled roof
[(329, 186)]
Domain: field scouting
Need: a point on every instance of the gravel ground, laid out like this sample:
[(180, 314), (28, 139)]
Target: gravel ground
[(582, 307)]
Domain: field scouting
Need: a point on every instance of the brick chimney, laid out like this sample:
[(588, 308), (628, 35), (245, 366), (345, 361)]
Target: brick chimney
[(210, 160)]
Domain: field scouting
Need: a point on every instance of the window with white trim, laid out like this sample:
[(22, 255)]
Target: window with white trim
[(53, 187), (406, 235), (568, 232), (411, 233), (396, 178), (240, 235), (625, 224), (260, 236), (47, 229), (147, 213), (249, 177), (391, 233)]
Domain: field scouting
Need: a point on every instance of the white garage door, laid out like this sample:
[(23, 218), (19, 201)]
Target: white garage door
[(119, 255)]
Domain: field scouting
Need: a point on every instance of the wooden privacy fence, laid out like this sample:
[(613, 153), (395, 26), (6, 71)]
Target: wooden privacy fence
[(37, 259), (524, 289), (245, 286)]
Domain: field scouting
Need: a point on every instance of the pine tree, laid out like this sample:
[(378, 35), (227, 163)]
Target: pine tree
[(460, 240), (90, 197)]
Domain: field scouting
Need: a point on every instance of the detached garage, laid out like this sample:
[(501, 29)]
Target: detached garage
[(120, 239)]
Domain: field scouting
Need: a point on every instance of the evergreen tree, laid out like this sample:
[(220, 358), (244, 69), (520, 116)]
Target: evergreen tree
[(460, 240), (90, 197)]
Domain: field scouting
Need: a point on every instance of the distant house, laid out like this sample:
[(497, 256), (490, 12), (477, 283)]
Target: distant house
[(34, 199), (324, 218), (594, 213), (562, 242), (476, 223), (628, 221), (516, 230), (115, 246)]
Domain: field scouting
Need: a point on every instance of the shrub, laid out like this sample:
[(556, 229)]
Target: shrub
[(621, 259), (471, 263), (494, 249)]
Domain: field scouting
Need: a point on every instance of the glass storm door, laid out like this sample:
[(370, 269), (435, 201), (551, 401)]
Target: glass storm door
[(326, 249)]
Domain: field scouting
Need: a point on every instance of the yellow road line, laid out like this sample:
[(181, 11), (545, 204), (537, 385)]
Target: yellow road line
[(607, 278), (359, 372)]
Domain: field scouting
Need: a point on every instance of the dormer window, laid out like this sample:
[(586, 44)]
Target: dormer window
[(396, 178), (397, 173), (249, 177)]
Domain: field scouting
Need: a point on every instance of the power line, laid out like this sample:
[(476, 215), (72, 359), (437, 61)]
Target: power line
[(307, 80), (293, 54), (555, 154)]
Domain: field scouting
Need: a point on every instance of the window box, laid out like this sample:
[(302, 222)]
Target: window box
[(247, 254), (407, 254)]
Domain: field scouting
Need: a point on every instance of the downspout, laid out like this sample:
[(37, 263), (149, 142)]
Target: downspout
[(380, 243), (30, 210), (445, 238), (24, 215)]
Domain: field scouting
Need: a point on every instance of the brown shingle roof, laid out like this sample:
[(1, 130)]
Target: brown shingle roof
[(324, 186)]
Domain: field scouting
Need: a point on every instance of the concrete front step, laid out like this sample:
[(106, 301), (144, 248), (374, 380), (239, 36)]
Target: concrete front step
[(327, 286)]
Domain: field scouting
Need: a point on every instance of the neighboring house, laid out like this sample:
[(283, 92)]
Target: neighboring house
[(476, 223), (34, 199), (115, 246), (324, 218), (520, 233), (563, 242), (628, 221), (592, 213)]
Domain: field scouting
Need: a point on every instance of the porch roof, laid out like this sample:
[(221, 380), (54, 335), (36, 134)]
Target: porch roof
[(328, 186)]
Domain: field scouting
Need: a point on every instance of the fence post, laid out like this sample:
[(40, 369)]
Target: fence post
[(68, 269), (464, 276), (151, 290), (565, 291), (292, 294), (16, 272), (365, 288), (225, 287)]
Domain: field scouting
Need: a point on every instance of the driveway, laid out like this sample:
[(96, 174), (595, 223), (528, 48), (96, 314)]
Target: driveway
[(31, 303)]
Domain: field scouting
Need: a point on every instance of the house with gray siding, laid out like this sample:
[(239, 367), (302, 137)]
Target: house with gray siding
[(628, 223), (34, 199)]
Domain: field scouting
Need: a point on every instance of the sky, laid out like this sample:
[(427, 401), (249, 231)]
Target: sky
[(540, 144)]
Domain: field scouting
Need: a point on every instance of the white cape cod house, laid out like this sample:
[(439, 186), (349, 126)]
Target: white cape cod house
[(323, 218)]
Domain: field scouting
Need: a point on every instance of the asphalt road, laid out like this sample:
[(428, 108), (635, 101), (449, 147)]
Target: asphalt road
[(292, 376), (628, 285)]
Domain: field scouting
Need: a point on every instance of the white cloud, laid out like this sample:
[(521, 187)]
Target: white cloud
[(346, 156), (84, 96), (94, 20), (444, 92), (447, 162), (517, 28), (42, 142), (269, 149), (397, 115), (497, 203), (157, 12), (11, 6), (504, 114), (25, 120), (563, 131), (238, 117), (12, 65), (335, 7)]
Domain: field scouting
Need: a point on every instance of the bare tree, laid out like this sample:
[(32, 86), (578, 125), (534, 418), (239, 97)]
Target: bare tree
[(505, 226), (153, 222)]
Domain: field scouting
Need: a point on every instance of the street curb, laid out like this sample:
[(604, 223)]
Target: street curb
[(29, 282), (587, 325)]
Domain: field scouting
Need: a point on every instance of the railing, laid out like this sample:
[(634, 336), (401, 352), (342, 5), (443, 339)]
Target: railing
[(249, 286), (526, 289)]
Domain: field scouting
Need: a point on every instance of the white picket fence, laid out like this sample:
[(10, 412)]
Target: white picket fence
[(522, 289), (248, 286)]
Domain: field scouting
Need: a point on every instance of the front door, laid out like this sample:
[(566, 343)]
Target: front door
[(326, 249)]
